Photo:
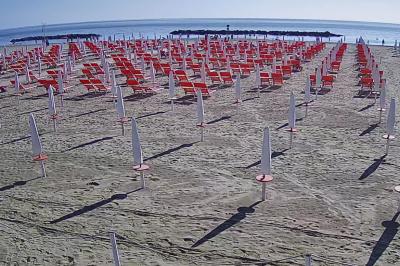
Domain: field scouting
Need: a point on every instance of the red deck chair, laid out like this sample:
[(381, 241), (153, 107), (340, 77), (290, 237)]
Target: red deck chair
[(214, 76), (88, 85), (226, 77), (367, 82), (187, 87), (140, 87), (286, 71), (327, 82), (205, 91), (277, 79), (265, 78)]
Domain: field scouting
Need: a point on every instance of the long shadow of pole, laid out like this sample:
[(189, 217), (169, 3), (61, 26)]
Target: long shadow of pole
[(233, 220), (93, 206), (391, 228)]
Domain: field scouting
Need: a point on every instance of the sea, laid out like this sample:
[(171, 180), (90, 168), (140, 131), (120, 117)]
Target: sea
[(371, 32)]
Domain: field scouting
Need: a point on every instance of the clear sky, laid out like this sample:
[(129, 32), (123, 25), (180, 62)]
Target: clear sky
[(18, 13)]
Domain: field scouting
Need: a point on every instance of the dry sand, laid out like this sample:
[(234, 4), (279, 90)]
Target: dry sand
[(202, 194)]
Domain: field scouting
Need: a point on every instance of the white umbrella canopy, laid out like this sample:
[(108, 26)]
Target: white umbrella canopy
[(200, 108), (136, 146), (16, 85), (36, 143), (292, 111), (391, 119), (52, 103), (120, 104), (266, 154), (238, 90)]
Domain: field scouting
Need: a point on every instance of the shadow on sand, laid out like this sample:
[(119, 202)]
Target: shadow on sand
[(18, 184), (241, 214), (94, 206), (372, 168), (391, 228), (186, 145)]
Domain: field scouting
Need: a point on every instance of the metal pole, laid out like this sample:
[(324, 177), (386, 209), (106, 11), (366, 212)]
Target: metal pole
[(264, 191), (114, 249), (43, 169)]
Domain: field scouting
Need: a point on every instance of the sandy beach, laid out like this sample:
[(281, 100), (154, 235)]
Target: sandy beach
[(332, 195)]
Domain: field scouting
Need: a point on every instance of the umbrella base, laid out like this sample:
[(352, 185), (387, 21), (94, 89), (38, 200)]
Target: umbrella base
[(264, 178), (40, 157), (141, 167)]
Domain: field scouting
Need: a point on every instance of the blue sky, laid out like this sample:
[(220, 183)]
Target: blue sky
[(18, 13)]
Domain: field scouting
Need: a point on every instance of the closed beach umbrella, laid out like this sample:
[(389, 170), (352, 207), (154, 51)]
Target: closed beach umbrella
[(200, 108), (136, 147), (292, 111), (203, 72), (258, 76), (318, 78), (274, 65), (266, 154), (113, 83), (171, 85), (51, 103), (238, 91), (391, 119), (120, 104), (27, 76), (307, 92), (60, 83), (36, 143), (16, 85), (266, 165), (152, 73)]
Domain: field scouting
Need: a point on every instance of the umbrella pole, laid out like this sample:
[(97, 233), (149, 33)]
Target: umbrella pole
[(387, 145), (258, 91), (202, 133), (264, 191), (306, 109), (172, 105), (142, 182), (62, 100), (291, 139), (380, 116), (54, 125), (43, 169), (123, 129), (114, 249)]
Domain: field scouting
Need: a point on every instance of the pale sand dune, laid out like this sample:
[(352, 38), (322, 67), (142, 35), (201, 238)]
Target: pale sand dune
[(316, 203)]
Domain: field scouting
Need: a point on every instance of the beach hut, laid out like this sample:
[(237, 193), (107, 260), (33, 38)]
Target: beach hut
[(265, 171), (37, 150)]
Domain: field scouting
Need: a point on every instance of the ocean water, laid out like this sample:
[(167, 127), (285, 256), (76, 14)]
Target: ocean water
[(370, 31)]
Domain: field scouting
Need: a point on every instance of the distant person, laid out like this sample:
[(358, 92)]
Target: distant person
[(383, 42)]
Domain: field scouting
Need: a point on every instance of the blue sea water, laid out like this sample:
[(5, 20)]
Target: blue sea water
[(371, 31)]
